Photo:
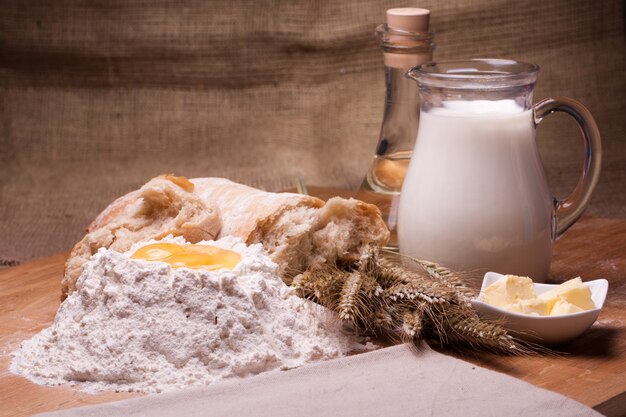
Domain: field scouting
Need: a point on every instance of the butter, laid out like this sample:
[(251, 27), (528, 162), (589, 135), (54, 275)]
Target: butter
[(573, 292), (517, 294), (509, 290), (562, 307), (532, 307)]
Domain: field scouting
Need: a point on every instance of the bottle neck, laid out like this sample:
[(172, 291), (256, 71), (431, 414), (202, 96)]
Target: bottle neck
[(401, 113), (407, 61), (402, 50)]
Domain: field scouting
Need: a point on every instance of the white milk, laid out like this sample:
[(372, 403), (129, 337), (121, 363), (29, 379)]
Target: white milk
[(475, 196)]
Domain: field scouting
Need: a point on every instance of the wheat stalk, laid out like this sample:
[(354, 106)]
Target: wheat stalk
[(412, 298)]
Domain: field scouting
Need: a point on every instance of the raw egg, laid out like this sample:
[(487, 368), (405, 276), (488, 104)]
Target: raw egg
[(189, 256)]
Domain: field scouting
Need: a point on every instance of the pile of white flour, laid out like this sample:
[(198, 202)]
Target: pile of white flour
[(135, 325)]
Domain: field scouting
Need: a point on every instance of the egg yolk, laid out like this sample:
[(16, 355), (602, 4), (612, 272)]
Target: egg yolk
[(189, 256), (157, 251)]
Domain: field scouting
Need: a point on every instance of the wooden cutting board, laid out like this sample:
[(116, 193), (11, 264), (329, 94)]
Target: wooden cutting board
[(592, 370)]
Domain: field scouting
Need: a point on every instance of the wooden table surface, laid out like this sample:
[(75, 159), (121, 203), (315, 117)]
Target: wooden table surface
[(592, 369)]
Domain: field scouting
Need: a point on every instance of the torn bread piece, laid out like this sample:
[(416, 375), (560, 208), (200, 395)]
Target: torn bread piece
[(163, 206), (298, 232)]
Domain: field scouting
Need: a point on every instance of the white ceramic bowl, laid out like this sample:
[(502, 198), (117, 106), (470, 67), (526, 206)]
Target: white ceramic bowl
[(544, 329)]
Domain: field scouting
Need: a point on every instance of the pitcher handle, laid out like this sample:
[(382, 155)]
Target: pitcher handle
[(572, 207)]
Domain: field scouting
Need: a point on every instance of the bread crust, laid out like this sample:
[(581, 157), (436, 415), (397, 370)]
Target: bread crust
[(246, 211)]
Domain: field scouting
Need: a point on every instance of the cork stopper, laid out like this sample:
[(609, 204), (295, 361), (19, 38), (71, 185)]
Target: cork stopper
[(409, 19)]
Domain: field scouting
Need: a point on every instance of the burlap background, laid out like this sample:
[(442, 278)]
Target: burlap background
[(96, 97)]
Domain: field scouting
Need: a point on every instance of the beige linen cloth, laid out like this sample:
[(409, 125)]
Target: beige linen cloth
[(394, 382)]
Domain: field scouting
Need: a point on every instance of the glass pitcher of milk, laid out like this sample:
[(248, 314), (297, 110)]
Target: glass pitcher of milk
[(475, 196)]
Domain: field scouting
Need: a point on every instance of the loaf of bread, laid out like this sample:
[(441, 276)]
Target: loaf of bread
[(297, 231)]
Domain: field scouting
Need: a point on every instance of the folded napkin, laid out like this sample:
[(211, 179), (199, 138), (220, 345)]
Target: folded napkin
[(396, 381)]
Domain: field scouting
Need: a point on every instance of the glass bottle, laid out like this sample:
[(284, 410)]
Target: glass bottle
[(405, 42)]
